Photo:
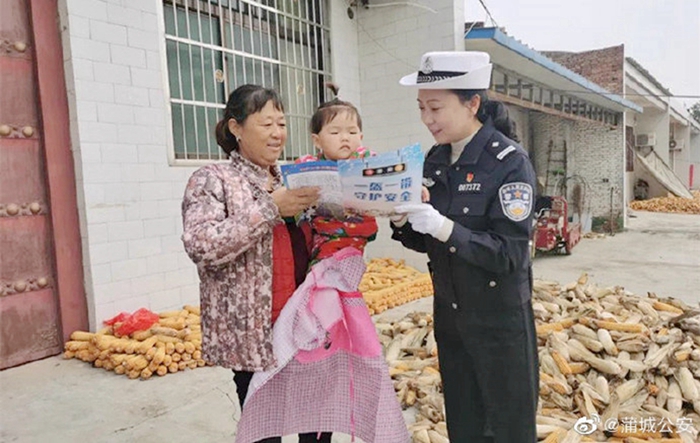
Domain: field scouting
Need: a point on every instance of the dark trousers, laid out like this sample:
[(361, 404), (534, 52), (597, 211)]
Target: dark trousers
[(242, 380), (490, 374)]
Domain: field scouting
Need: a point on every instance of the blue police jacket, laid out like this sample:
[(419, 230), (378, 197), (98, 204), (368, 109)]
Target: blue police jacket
[(489, 195)]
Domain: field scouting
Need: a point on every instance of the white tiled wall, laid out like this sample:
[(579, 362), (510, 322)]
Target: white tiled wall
[(345, 53), (391, 42), (129, 196)]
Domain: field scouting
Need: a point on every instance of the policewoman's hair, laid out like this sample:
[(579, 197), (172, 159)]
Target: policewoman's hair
[(493, 109), (244, 101), (327, 111)]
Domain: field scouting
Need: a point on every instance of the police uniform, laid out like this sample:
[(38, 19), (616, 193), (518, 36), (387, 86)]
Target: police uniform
[(484, 323)]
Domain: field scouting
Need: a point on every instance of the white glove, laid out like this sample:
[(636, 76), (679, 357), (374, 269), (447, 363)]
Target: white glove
[(423, 218)]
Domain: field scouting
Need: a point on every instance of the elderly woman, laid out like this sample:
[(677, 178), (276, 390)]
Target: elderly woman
[(249, 259)]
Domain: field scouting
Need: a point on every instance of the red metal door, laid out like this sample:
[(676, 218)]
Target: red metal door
[(30, 326)]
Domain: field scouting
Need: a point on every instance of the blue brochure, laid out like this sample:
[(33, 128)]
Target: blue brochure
[(368, 186), (376, 185)]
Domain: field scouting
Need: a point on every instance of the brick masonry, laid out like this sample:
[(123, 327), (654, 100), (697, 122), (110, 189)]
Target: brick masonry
[(521, 117), (604, 67), (594, 153)]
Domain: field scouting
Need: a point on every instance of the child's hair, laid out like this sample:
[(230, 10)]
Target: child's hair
[(329, 110)]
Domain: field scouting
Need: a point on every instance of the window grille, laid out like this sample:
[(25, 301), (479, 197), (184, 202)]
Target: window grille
[(214, 46)]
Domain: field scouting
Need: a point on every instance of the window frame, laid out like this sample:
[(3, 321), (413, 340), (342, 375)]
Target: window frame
[(319, 53)]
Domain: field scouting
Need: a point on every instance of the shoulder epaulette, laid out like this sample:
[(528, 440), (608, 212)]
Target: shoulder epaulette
[(501, 155), (501, 149)]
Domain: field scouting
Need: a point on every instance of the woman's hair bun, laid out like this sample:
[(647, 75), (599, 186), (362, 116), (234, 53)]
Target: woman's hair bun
[(333, 87)]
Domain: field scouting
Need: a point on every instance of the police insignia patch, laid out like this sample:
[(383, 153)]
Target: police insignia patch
[(516, 200), (427, 66), (428, 182)]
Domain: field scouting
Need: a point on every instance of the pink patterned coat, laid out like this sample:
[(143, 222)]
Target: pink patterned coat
[(228, 219), (330, 375)]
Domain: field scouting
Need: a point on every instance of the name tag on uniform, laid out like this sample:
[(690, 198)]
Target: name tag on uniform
[(470, 185)]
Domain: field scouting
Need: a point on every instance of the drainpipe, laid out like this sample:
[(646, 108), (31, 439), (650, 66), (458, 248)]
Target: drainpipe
[(612, 229)]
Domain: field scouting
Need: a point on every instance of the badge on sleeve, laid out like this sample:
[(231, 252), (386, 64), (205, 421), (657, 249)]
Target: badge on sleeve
[(516, 200)]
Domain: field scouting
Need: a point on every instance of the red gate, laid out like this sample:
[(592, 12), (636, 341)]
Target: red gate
[(38, 213)]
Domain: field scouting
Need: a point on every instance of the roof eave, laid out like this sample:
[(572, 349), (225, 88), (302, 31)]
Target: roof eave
[(614, 101)]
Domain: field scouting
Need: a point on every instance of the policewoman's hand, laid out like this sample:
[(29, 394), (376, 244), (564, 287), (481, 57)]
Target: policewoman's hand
[(293, 201), (423, 218), (398, 219), (424, 195)]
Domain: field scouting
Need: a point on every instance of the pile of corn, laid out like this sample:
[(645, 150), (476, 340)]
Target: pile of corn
[(669, 204), (171, 345), (388, 283), (411, 353), (611, 361), (613, 367)]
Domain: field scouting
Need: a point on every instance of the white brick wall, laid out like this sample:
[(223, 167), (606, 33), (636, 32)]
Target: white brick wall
[(345, 55), (546, 130), (129, 197), (391, 42), (521, 117), (594, 151), (599, 155)]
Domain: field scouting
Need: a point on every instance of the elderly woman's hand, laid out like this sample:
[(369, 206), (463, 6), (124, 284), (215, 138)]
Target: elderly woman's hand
[(292, 201)]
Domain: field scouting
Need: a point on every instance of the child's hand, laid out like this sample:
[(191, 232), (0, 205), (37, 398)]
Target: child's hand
[(425, 195)]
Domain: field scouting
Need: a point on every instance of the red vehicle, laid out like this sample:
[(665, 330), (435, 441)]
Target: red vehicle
[(554, 231)]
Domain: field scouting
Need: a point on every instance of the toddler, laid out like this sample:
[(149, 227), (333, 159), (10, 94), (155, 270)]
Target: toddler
[(336, 131)]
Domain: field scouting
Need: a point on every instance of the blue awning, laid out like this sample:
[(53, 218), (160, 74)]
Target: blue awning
[(513, 55)]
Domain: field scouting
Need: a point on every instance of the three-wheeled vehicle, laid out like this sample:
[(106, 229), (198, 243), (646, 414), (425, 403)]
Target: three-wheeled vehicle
[(553, 230)]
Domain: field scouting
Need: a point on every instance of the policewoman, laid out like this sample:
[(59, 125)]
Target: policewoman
[(475, 229)]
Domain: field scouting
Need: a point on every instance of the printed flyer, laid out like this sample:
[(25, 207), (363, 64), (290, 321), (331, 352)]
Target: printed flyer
[(324, 174), (376, 185), (369, 186)]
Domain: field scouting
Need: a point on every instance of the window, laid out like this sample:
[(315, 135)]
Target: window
[(214, 46)]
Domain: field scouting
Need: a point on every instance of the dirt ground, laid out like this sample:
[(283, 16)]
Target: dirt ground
[(61, 401)]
